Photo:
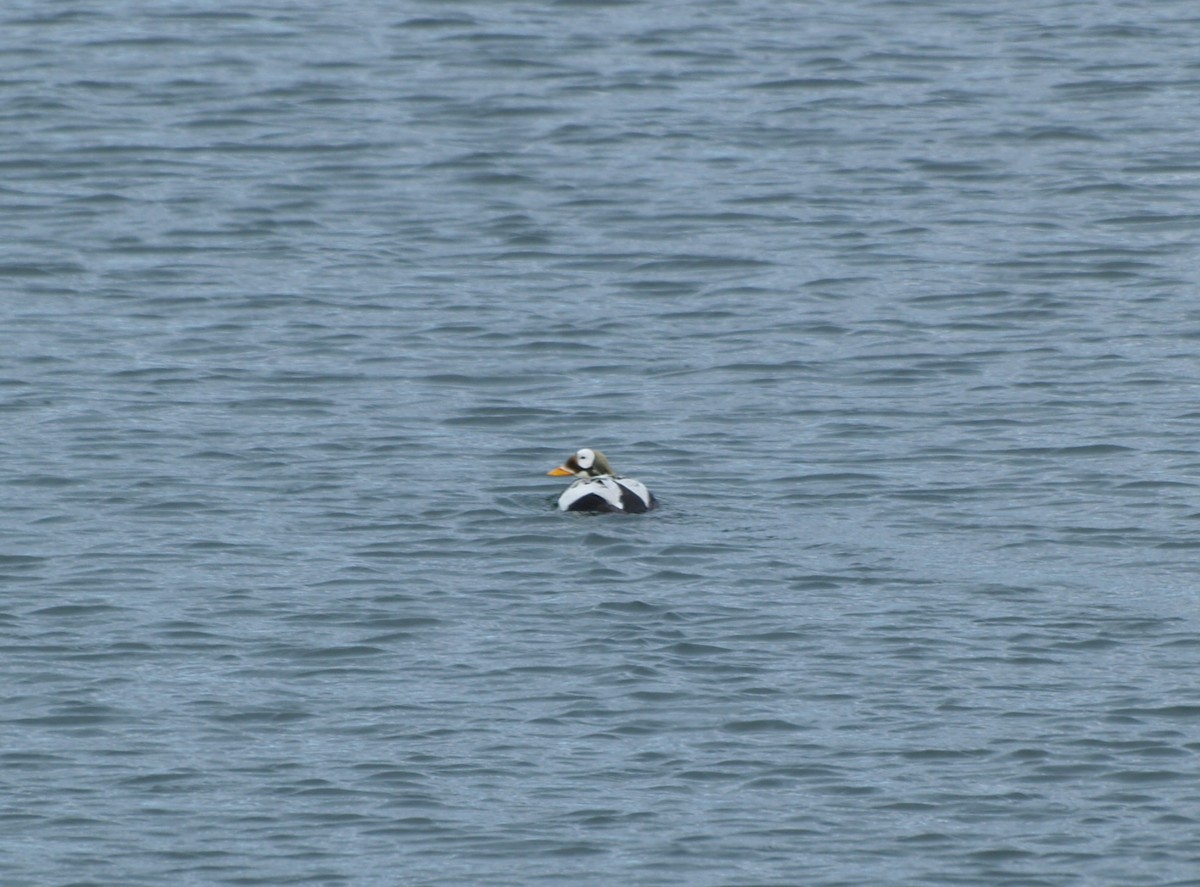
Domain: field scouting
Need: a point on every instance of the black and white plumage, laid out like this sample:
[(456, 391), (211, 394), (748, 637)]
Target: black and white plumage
[(598, 488)]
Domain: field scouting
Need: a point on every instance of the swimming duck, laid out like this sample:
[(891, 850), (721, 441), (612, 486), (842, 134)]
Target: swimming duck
[(598, 487)]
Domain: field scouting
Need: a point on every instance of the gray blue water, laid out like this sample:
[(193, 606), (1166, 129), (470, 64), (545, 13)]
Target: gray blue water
[(893, 305)]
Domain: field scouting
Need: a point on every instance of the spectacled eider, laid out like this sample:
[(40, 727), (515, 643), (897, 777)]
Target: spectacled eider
[(599, 488)]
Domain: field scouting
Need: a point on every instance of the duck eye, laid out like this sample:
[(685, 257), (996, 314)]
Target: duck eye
[(585, 458)]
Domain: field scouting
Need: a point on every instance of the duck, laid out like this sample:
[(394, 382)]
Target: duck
[(598, 488)]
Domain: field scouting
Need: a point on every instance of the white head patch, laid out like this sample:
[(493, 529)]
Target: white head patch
[(586, 458)]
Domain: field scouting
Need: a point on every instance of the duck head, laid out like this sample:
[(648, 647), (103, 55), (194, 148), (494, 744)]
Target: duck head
[(584, 463)]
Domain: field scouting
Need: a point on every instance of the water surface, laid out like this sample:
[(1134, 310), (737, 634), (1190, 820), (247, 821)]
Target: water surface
[(890, 304)]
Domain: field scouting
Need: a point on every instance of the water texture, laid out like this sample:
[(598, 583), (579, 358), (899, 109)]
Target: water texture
[(893, 306)]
